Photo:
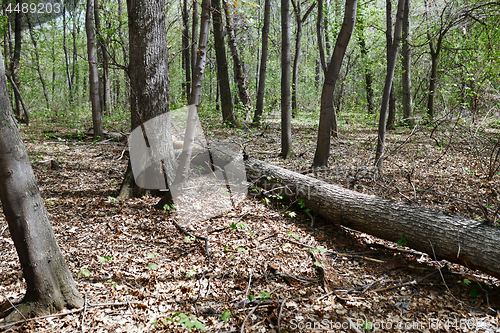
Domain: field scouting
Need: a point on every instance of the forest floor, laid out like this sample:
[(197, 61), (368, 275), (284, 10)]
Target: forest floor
[(139, 272)]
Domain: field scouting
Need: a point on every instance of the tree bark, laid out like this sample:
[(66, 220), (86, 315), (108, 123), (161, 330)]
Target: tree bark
[(93, 73), (367, 70), (186, 62), (263, 64), (37, 57), (238, 63), (391, 116), (104, 90), (298, 39), (460, 240), (286, 114), (406, 63), (50, 285), (14, 66), (327, 114), (194, 39), (149, 83), (391, 64), (226, 99), (319, 34)]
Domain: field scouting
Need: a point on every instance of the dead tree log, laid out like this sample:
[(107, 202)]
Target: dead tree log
[(454, 238)]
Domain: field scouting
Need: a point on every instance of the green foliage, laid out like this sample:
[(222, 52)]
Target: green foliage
[(190, 321), (293, 235), (104, 259), (152, 266), (225, 316), (403, 241), (319, 249), (85, 272)]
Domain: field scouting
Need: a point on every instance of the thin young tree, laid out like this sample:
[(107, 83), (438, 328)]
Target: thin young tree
[(286, 114), (263, 64), (93, 72), (298, 48), (387, 87), (37, 59), (327, 114), (186, 63), (391, 115), (406, 63), (49, 283)]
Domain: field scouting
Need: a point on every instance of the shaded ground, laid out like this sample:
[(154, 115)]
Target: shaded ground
[(140, 269)]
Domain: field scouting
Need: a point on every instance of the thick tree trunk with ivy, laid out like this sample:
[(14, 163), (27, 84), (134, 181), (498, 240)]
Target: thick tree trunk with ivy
[(457, 239), (148, 73), (327, 115), (49, 283)]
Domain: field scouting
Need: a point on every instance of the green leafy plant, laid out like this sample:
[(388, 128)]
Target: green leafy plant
[(251, 298), (225, 316), (403, 241), (85, 272), (152, 255), (168, 207), (190, 321), (319, 249), (112, 199), (367, 325), (264, 296), (242, 225), (189, 239), (152, 266), (190, 273), (302, 203), (293, 235), (103, 259), (291, 214)]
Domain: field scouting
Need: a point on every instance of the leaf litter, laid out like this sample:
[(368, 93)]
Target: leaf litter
[(269, 269)]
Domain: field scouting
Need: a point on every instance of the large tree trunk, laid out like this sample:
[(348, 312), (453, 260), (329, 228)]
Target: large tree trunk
[(49, 282), (391, 65), (93, 73), (263, 64), (406, 63), (327, 114), (226, 99), (454, 238), (149, 89), (286, 114)]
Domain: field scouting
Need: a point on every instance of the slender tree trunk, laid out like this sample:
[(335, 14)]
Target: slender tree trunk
[(194, 40), (379, 156), (222, 71), (406, 63), (319, 34), (14, 68), (238, 63), (367, 70), (37, 58), (432, 82), (296, 59), (327, 114), (286, 114), (49, 283), (186, 62), (263, 64), (93, 73), (104, 91), (66, 56), (388, 35)]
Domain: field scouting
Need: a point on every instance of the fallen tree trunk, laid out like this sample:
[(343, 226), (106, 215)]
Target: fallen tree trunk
[(454, 238)]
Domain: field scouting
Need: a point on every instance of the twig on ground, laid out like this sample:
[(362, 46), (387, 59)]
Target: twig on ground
[(84, 312), (195, 236), (15, 308), (248, 315), (281, 310)]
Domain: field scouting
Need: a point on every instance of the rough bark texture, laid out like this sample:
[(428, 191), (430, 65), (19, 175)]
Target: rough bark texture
[(50, 285), (93, 73), (226, 100), (238, 63), (263, 64), (148, 73), (406, 63), (391, 115), (391, 65), (286, 114), (468, 242), (327, 114), (186, 63), (298, 38)]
